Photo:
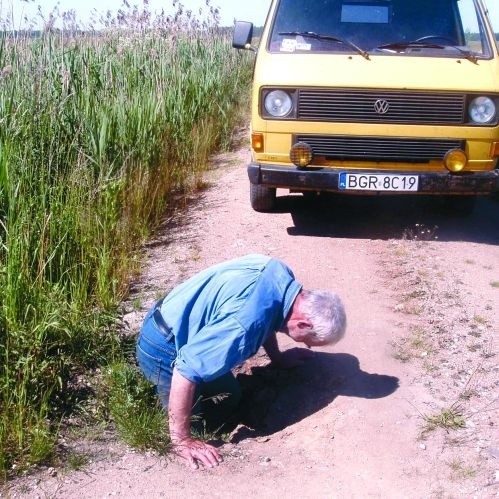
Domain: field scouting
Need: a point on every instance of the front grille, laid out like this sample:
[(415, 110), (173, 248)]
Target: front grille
[(381, 106), (337, 147)]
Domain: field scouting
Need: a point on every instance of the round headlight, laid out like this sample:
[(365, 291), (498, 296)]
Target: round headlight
[(278, 103), (455, 160), (482, 110), (301, 154)]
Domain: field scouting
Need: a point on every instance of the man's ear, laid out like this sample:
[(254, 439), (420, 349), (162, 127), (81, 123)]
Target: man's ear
[(303, 330), (304, 325)]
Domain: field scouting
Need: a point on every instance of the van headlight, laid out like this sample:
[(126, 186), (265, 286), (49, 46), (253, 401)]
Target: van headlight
[(278, 103), (482, 110)]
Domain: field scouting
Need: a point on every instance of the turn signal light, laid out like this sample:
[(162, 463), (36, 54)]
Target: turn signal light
[(301, 154), (494, 151), (455, 160), (257, 142)]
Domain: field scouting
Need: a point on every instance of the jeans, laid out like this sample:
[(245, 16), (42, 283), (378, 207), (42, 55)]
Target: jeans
[(156, 354)]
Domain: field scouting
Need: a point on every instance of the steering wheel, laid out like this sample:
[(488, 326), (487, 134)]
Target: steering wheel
[(435, 38)]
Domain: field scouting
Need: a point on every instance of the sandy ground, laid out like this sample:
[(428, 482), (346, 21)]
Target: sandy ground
[(356, 421)]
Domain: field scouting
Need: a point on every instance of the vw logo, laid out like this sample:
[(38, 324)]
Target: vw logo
[(381, 106)]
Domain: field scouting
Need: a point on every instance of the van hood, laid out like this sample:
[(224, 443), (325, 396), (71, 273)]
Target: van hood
[(380, 71)]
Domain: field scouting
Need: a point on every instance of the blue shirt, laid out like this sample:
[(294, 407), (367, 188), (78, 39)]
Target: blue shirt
[(223, 315)]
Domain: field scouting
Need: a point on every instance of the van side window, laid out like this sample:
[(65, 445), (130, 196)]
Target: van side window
[(473, 28)]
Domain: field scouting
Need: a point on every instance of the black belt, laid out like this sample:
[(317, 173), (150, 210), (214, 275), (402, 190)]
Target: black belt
[(162, 326)]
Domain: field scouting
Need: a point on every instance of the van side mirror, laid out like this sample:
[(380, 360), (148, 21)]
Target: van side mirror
[(243, 34)]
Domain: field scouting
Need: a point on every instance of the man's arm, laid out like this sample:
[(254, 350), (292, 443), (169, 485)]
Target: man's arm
[(272, 349), (179, 413), (290, 358)]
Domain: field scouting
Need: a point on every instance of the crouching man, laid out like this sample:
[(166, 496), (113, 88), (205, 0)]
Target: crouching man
[(191, 339)]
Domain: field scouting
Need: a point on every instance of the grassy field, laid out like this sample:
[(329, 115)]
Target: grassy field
[(97, 131)]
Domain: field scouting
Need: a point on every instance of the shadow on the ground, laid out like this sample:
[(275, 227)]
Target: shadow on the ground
[(391, 217), (274, 399)]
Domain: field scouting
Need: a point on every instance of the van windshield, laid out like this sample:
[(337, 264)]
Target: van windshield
[(439, 28)]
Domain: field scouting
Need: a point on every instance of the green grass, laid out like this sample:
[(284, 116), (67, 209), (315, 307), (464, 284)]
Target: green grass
[(76, 461), (460, 470), (97, 134), (415, 345), (133, 406), (449, 418)]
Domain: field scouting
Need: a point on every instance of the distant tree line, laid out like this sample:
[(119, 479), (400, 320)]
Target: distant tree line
[(475, 37)]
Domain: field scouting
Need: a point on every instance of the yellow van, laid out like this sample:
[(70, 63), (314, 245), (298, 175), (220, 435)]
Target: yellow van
[(374, 96)]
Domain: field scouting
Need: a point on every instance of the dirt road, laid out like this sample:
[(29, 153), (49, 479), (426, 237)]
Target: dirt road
[(405, 406)]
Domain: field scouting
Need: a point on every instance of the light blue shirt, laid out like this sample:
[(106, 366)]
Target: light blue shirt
[(223, 315)]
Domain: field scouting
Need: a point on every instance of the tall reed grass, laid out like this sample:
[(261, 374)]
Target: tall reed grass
[(97, 130)]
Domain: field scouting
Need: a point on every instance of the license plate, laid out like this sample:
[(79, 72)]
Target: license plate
[(378, 182)]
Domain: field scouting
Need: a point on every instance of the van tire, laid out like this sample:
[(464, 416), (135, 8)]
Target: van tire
[(262, 198)]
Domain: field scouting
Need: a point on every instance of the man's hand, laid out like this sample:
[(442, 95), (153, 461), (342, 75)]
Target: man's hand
[(293, 358), (179, 411), (195, 451)]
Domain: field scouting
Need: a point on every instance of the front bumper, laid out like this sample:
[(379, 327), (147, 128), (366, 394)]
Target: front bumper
[(327, 179)]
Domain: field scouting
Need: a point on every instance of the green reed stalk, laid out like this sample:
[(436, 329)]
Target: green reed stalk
[(96, 134)]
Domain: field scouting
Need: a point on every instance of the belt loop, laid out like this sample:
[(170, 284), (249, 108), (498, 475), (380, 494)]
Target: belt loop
[(162, 326)]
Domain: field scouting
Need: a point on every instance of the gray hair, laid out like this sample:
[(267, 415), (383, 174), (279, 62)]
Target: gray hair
[(325, 311)]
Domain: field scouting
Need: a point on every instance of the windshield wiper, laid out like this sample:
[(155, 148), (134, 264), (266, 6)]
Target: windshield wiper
[(316, 36), (405, 45)]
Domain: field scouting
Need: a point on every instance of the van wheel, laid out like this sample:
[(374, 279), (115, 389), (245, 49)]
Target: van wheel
[(460, 206), (262, 198)]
